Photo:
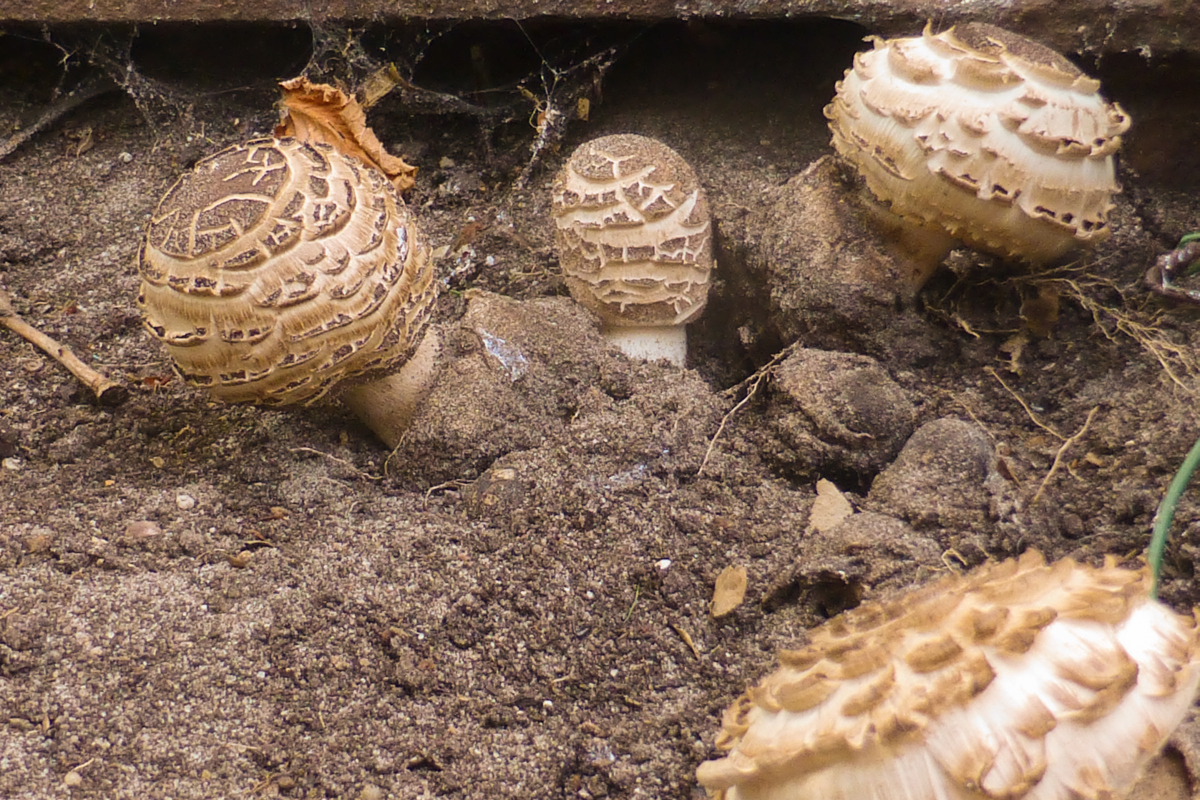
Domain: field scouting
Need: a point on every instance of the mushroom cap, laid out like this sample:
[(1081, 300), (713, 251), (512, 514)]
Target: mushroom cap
[(633, 232), (277, 270), (995, 138), (1018, 680)]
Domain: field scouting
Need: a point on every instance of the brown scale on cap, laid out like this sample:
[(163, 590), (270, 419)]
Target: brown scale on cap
[(994, 139), (634, 235), (279, 272), (1016, 680)]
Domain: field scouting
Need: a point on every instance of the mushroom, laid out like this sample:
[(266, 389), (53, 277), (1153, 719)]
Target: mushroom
[(979, 135), (280, 273), (635, 242), (1018, 680)]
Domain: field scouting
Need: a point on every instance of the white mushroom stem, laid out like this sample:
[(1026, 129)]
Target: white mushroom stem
[(650, 342), (919, 249), (388, 405)]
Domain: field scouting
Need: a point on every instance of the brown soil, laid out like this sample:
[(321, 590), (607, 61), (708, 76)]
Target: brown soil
[(200, 600)]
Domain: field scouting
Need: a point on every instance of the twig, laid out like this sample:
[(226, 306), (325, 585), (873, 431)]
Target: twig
[(1058, 457), (107, 392)]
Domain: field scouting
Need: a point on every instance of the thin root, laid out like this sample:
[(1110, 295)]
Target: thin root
[(755, 381), (1028, 411), (1058, 457), (1178, 361)]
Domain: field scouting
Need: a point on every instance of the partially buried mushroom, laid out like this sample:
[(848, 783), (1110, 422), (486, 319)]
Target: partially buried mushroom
[(635, 242), (983, 136), (1019, 680), (284, 273)]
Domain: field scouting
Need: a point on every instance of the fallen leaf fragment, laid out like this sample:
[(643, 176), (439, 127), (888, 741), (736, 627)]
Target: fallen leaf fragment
[(318, 112), (829, 509), (687, 639), (729, 592)]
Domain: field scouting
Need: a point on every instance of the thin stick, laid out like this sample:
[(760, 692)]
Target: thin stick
[(1166, 515), (107, 392), (1058, 457)]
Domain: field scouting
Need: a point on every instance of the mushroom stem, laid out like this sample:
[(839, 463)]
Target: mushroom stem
[(387, 406), (650, 342), (919, 249)]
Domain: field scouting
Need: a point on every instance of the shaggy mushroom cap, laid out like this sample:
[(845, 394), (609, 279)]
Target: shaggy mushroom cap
[(635, 241), (998, 140), (278, 272), (1018, 680)]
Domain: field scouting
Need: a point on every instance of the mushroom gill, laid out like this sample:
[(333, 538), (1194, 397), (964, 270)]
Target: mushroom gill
[(1018, 680)]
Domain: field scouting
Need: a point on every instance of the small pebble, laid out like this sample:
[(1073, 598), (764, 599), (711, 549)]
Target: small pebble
[(185, 502), (142, 529)]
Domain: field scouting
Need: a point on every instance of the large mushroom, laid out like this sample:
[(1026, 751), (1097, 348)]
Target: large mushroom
[(983, 136), (280, 272), (635, 242), (1019, 680)]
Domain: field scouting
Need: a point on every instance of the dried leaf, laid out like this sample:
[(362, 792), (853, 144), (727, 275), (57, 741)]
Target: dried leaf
[(317, 112), (829, 509), (729, 592)]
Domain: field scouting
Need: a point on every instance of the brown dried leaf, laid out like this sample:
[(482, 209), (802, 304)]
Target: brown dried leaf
[(317, 112), (729, 592)]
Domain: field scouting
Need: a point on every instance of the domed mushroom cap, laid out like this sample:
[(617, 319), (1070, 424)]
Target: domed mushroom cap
[(995, 138), (1019, 680), (276, 270), (634, 234)]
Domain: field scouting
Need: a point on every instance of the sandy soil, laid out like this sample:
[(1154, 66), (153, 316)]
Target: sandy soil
[(200, 600)]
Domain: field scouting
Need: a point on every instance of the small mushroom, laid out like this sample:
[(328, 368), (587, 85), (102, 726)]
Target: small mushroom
[(284, 273), (1018, 680), (635, 242), (980, 135)]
